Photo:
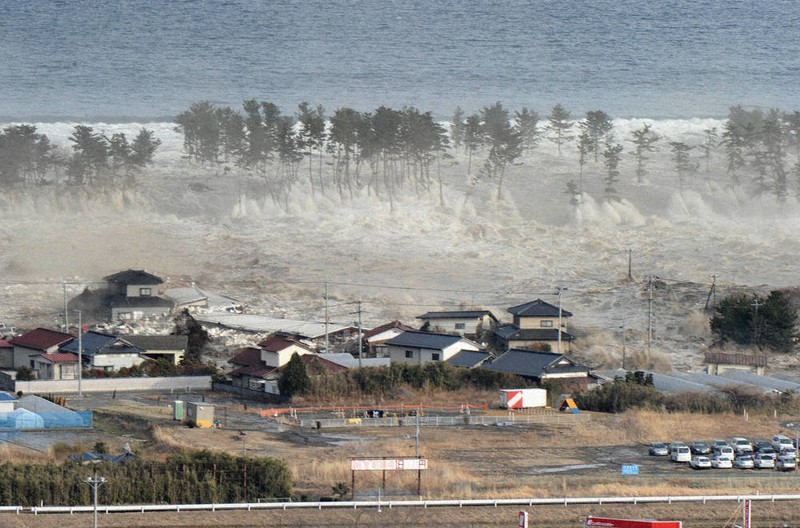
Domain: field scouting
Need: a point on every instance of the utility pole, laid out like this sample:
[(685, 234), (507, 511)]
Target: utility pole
[(712, 293), (623, 345), (559, 289), (359, 334), (649, 312), (755, 305), (326, 318), (66, 314), (630, 259), (95, 483), (80, 353)]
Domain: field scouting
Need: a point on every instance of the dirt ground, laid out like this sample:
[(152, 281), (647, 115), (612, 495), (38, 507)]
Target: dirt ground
[(572, 458)]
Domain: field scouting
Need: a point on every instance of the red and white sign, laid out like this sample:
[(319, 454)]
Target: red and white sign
[(388, 464), (514, 399), (523, 519), (630, 523)]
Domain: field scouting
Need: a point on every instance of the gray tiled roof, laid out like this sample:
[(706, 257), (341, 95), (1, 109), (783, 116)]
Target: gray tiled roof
[(538, 308), (424, 340), (532, 363), (159, 342), (99, 343), (132, 276), (146, 301), (514, 333), (462, 314), (468, 358)]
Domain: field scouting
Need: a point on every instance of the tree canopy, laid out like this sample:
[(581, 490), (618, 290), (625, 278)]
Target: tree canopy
[(749, 319)]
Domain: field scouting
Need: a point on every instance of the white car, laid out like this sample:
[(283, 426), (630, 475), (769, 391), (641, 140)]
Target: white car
[(681, 454), (742, 446), (743, 462), (764, 461), (700, 462), (722, 462), (724, 451), (781, 442), (785, 463)]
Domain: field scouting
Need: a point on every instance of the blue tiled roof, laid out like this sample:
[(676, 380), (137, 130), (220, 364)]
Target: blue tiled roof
[(463, 314), (424, 340), (468, 358), (538, 308), (532, 363), (99, 343), (514, 333)]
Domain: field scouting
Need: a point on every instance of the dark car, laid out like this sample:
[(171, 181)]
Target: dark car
[(700, 448)]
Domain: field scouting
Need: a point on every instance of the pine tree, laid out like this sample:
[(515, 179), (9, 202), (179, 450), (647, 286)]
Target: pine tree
[(644, 139), (294, 380), (595, 130), (560, 126)]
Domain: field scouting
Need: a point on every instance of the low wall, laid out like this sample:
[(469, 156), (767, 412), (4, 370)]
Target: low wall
[(178, 383)]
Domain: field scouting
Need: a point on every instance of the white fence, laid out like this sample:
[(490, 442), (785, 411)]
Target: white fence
[(564, 501), (437, 421), (178, 383)]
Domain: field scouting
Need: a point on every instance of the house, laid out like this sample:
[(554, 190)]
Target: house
[(6, 354), (7, 403), (253, 373), (542, 366), (378, 336), (133, 294), (718, 362), (106, 352), (194, 299), (419, 348), (56, 366), (349, 361), (169, 347), (469, 323), (469, 359), (36, 342), (536, 326), (256, 368)]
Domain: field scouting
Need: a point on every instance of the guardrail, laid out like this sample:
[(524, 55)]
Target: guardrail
[(453, 503)]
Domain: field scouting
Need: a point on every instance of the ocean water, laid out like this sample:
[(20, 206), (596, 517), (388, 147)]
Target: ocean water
[(148, 60)]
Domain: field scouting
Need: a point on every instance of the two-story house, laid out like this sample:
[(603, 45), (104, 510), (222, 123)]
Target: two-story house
[(469, 323), (133, 294), (537, 325), (31, 344)]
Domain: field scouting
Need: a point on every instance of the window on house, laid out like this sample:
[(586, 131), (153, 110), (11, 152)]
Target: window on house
[(409, 354), (436, 356), (461, 326), (546, 324), (145, 292)]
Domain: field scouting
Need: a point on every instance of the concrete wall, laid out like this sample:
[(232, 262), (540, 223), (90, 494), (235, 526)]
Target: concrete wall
[(112, 384)]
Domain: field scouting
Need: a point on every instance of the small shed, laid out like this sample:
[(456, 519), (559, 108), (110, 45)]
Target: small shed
[(202, 414)]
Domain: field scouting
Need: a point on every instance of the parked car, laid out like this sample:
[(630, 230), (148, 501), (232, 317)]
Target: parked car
[(725, 451), (700, 448), (781, 442), (674, 445), (764, 461), (768, 451), (700, 462), (659, 449), (722, 462), (785, 463), (761, 444), (790, 452), (743, 462), (681, 454), (716, 444), (742, 446)]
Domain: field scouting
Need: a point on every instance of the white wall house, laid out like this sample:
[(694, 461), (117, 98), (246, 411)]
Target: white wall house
[(463, 322), (419, 348)]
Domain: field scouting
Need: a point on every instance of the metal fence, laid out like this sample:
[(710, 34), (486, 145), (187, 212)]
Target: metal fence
[(455, 503), (438, 421)]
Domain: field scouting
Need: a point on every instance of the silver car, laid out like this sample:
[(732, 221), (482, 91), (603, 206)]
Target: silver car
[(743, 462), (659, 449)]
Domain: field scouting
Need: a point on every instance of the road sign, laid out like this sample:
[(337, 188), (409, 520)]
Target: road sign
[(630, 469)]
